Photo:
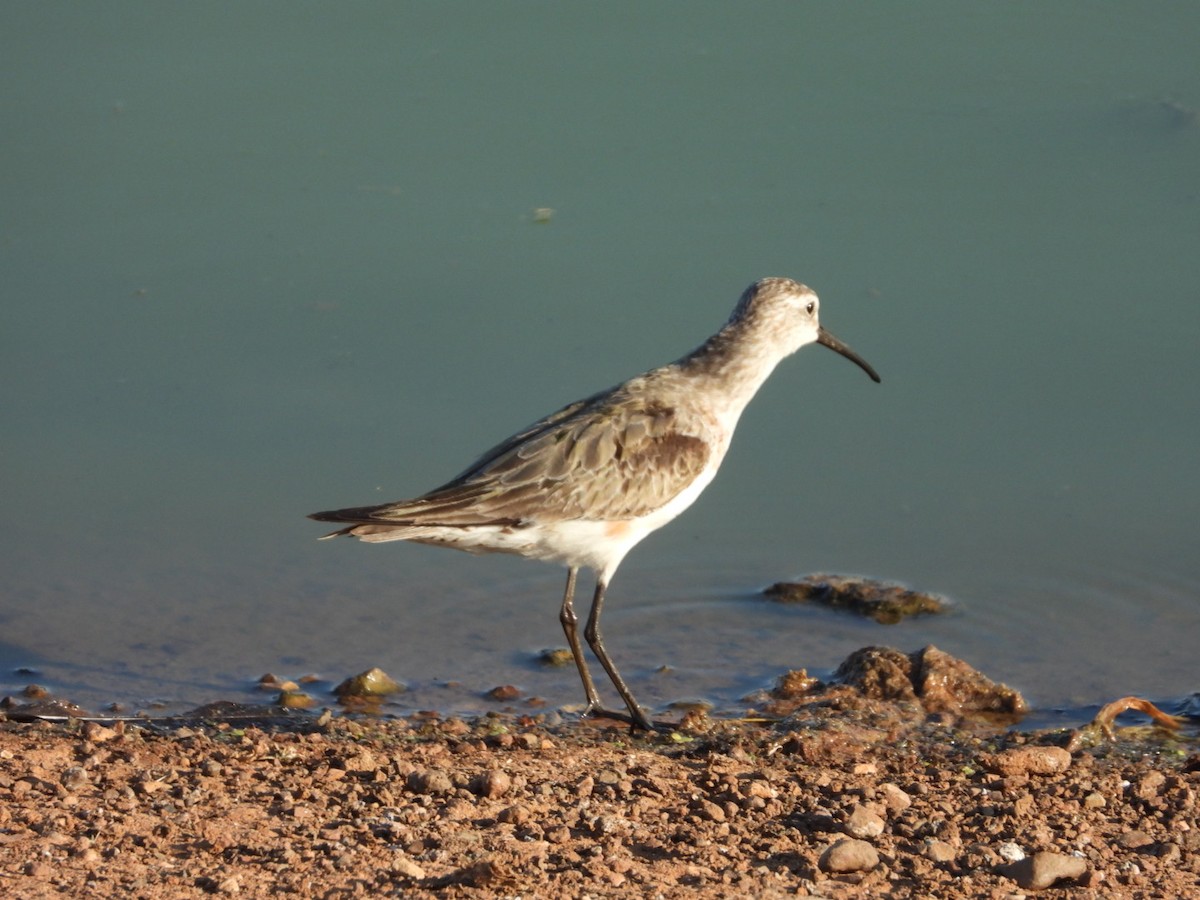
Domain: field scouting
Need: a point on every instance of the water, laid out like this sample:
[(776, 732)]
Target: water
[(263, 261)]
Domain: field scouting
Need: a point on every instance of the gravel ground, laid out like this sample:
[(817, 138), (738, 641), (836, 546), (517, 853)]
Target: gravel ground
[(835, 791)]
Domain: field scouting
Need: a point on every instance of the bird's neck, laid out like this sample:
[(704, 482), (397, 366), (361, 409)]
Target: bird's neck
[(732, 364)]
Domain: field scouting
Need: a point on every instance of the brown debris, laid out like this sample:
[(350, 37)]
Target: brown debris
[(910, 686), (1108, 714), (884, 601), (939, 682)]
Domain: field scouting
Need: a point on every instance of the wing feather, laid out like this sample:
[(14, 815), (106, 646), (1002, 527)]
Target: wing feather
[(610, 457)]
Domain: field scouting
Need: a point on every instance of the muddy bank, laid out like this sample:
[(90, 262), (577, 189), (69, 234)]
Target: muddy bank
[(847, 793)]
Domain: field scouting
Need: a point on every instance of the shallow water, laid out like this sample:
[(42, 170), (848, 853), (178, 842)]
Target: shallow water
[(260, 267)]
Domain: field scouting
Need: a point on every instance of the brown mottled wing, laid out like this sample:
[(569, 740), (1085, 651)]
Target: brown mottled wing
[(616, 461), (604, 461)]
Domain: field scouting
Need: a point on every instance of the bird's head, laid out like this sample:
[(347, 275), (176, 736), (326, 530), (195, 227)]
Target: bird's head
[(787, 313)]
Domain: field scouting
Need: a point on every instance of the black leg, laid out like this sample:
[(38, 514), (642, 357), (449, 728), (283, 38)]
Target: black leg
[(596, 642), (566, 615)]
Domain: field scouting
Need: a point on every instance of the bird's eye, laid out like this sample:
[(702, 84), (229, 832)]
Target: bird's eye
[(811, 306)]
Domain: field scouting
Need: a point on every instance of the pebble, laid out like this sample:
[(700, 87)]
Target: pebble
[(513, 815), (706, 809), (940, 851), (894, 797), (406, 868), (1150, 785), (1044, 869), (371, 683), (491, 784), (1031, 761), (849, 855), (863, 823), (430, 781), (97, 733), (1010, 852), (758, 788), (1132, 840)]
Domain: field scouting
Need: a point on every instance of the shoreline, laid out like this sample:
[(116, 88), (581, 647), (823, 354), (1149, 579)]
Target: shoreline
[(832, 791)]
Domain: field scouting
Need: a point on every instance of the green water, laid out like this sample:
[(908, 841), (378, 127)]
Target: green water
[(264, 259)]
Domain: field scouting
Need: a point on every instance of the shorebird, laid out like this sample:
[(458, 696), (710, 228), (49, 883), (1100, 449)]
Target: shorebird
[(584, 485)]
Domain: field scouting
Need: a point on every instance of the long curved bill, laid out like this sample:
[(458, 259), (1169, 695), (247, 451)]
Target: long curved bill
[(828, 340)]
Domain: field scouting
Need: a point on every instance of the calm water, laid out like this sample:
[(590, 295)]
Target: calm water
[(262, 260)]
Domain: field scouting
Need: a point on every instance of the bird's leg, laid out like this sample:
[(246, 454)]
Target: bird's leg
[(596, 642), (566, 615)]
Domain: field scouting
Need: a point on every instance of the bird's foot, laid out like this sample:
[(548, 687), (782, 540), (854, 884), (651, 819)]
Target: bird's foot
[(634, 721)]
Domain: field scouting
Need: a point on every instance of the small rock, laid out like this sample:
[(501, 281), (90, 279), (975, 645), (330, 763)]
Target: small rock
[(1095, 800), (150, 786), (894, 797), (97, 733), (429, 781), (1133, 840), (947, 684), (557, 656), (849, 855), (371, 683), (863, 823), (794, 684), (1149, 786), (74, 778), (504, 693), (406, 868), (528, 741), (709, 811), (480, 874), (1030, 761), (759, 788), (491, 784), (1168, 854), (295, 699), (1044, 869), (513, 815), (940, 851), (602, 825), (1010, 852)]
